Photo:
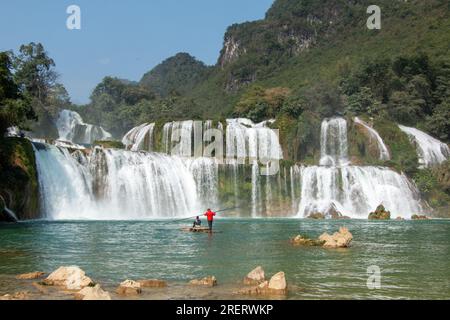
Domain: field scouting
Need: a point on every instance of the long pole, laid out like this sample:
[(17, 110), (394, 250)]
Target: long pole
[(198, 215)]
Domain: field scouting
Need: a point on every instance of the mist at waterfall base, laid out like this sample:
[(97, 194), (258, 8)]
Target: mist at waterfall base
[(411, 255), (139, 183)]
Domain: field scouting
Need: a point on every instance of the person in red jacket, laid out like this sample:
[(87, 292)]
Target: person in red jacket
[(210, 215)]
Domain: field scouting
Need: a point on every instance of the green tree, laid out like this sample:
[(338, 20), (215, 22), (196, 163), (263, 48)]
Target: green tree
[(362, 102), (15, 109), (35, 71)]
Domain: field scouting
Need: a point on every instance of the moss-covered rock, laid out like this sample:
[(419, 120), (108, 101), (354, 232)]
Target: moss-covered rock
[(109, 144), (419, 217), (403, 154), (18, 177), (316, 216), (380, 214), (363, 149)]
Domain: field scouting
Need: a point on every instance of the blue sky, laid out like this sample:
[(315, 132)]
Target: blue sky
[(121, 38)]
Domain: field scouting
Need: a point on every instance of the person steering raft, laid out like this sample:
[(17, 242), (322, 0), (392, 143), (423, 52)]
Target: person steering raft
[(210, 216)]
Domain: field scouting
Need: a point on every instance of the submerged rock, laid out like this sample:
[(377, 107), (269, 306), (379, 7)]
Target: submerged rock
[(71, 278), (209, 281), (152, 283), (341, 239), (30, 276), (380, 214), (92, 293), (129, 287), (256, 276), (23, 295), (304, 241), (419, 217)]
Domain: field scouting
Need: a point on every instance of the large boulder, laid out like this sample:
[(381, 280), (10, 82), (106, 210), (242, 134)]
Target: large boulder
[(152, 283), (209, 281), (277, 285), (256, 276), (341, 239), (380, 214), (30, 276), (129, 287), (92, 293), (71, 278)]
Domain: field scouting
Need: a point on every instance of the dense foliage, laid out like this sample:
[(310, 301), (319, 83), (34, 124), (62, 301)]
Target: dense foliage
[(176, 75)]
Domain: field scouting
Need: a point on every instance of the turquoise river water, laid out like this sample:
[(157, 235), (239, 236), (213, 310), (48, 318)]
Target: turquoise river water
[(414, 256)]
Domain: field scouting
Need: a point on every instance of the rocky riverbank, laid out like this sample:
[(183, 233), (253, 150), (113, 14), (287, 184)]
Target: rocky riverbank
[(72, 283)]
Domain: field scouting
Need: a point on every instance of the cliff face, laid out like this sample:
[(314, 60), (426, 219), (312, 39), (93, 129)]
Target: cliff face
[(18, 178), (289, 29)]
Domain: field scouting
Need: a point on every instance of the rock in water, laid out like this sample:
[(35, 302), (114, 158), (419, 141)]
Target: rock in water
[(30, 276), (92, 293), (418, 217), (23, 295), (153, 283), (316, 216), (304, 241), (209, 281), (129, 287), (341, 239), (277, 284), (71, 278), (255, 276), (380, 214)]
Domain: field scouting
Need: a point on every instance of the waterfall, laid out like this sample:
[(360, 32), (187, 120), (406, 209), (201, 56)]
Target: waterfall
[(356, 191), (65, 184), (334, 143), (384, 151), (117, 184), (71, 128), (353, 191), (140, 138), (431, 151), (246, 140)]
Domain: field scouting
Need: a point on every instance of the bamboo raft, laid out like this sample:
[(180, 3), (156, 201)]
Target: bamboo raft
[(198, 230)]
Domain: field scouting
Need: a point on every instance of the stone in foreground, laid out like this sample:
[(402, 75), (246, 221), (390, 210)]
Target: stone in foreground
[(129, 288), (92, 293), (255, 276), (71, 278), (341, 239), (23, 295), (30, 276), (209, 281), (276, 286), (152, 283)]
